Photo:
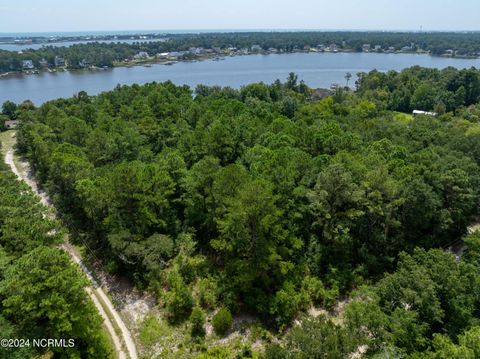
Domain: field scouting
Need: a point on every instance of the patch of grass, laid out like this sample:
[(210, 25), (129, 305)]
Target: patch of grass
[(6, 140), (404, 118), (153, 330)]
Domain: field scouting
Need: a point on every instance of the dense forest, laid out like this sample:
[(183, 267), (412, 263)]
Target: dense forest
[(263, 200), (106, 54), (41, 291)]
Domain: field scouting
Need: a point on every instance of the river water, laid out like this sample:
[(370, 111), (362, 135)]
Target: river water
[(316, 69)]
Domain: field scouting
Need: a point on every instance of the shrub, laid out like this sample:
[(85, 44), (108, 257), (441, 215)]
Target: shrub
[(222, 321), (179, 302), (208, 290), (317, 292), (287, 303), (197, 319)]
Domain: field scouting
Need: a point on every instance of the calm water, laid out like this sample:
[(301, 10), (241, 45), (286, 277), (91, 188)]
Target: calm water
[(317, 70), (17, 47)]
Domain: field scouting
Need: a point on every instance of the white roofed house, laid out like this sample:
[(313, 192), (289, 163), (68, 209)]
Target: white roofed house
[(162, 55), (425, 113), (142, 55), (27, 65)]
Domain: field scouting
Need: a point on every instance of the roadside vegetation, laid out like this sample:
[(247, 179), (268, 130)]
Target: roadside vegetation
[(271, 224), (41, 291)]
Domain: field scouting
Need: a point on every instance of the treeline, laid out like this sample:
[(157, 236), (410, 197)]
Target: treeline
[(106, 54), (436, 42), (422, 89), (41, 291), (257, 198)]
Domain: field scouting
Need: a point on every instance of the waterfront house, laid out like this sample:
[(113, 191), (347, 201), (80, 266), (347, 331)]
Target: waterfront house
[(174, 55), (366, 47), (43, 63), (333, 48), (27, 64), (59, 61), (196, 50), (142, 55), (256, 48), (83, 63)]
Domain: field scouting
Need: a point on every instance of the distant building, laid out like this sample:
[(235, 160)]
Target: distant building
[(319, 94), (11, 124), (425, 113), (174, 55), (406, 49), (142, 55), (378, 47), (59, 61), (27, 64), (163, 55), (196, 50), (366, 47), (333, 48), (83, 63), (43, 63), (321, 47), (256, 48)]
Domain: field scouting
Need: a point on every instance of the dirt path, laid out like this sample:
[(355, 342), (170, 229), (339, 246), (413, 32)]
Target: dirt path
[(103, 304)]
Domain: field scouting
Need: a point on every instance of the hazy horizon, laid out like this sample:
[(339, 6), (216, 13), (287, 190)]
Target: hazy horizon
[(220, 30), (247, 15)]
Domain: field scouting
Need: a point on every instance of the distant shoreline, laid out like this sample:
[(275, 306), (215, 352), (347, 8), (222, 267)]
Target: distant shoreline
[(155, 61)]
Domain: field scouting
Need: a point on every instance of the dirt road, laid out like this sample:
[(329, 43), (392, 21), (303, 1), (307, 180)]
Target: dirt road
[(103, 304)]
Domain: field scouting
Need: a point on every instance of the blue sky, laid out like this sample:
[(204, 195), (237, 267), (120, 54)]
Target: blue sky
[(89, 15)]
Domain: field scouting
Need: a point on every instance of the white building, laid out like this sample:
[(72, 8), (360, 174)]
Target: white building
[(27, 64), (425, 113), (142, 55), (59, 61)]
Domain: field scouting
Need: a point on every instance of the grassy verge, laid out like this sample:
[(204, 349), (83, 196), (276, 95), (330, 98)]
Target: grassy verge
[(7, 141)]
